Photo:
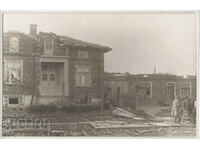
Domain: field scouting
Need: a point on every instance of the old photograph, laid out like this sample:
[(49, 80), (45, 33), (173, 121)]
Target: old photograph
[(99, 74)]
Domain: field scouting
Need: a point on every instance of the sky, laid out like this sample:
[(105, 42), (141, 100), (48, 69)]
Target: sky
[(140, 41)]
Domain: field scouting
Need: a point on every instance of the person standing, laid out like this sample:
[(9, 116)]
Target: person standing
[(190, 109), (174, 110), (185, 110), (179, 110), (193, 112)]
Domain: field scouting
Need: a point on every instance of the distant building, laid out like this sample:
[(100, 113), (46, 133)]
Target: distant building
[(148, 89), (47, 68)]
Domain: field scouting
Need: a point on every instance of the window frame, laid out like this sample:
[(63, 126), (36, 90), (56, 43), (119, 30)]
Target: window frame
[(14, 105), (190, 88), (83, 54), (11, 44), (80, 74), (13, 100), (50, 44), (149, 96), (48, 72), (6, 69)]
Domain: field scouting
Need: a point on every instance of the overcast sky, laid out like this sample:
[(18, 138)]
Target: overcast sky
[(140, 41)]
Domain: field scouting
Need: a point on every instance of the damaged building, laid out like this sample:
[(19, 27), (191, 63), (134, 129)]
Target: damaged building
[(46, 68), (155, 89)]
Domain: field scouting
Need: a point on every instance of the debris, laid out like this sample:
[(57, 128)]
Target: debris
[(124, 113), (57, 133), (85, 134), (165, 124), (115, 124), (163, 118)]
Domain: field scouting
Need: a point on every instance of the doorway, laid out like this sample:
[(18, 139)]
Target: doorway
[(171, 91), (118, 96)]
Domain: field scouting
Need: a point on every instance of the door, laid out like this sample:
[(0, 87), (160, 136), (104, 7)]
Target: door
[(171, 91), (48, 46), (118, 96)]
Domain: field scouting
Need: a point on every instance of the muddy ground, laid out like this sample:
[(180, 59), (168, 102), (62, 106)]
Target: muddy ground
[(79, 125)]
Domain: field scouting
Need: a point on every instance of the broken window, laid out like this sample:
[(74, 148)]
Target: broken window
[(145, 91), (83, 54), (14, 44), (83, 76), (13, 71)]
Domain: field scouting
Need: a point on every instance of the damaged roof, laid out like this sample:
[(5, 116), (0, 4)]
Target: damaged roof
[(68, 41)]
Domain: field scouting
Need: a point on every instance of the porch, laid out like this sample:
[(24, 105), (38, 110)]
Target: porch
[(54, 77)]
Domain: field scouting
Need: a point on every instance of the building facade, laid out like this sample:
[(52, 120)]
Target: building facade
[(149, 89), (18, 73), (51, 69)]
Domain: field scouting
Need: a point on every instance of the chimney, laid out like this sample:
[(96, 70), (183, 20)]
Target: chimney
[(33, 30)]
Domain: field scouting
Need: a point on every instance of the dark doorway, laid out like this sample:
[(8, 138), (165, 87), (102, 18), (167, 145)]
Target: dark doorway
[(118, 96), (171, 91)]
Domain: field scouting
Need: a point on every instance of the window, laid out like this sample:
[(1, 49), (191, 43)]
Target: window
[(146, 90), (13, 101), (49, 74), (83, 54), (14, 44), (44, 77), (13, 71), (186, 90), (48, 43), (52, 77), (83, 75)]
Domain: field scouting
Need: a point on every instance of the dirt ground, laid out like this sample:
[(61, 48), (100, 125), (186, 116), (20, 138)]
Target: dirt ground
[(80, 125)]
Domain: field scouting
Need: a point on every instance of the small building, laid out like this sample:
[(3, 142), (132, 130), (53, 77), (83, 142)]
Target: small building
[(149, 89), (46, 68)]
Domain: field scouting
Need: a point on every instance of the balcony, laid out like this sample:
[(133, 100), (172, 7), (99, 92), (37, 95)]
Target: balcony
[(60, 52), (55, 52)]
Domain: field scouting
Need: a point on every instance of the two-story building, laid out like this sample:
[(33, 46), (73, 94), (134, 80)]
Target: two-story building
[(59, 69)]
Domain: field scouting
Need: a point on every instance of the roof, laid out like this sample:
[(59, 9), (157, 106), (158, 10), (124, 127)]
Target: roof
[(160, 75), (24, 34), (68, 41)]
